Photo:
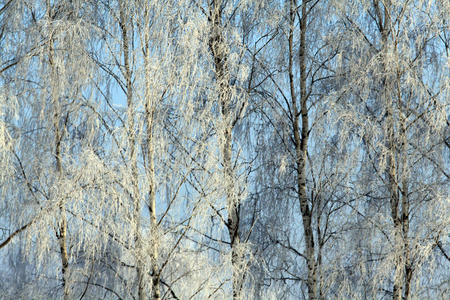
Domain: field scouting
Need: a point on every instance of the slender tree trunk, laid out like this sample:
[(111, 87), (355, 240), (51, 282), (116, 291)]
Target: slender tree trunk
[(407, 263), (61, 233), (394, 202), (392, 179), (220, 55), (233, 215), (156, 294), (301, 136), (127, 72), (149, 113), (396, 159)]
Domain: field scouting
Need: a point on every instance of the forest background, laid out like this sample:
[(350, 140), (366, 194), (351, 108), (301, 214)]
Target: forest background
[(224, 149)]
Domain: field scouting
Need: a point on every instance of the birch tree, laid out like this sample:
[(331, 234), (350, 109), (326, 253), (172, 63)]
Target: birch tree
[(41, 150), (296, 74), (224, 149), (149, 67), (398, 90)]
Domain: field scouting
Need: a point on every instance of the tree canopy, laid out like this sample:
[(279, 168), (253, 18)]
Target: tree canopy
[(224, 149)]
